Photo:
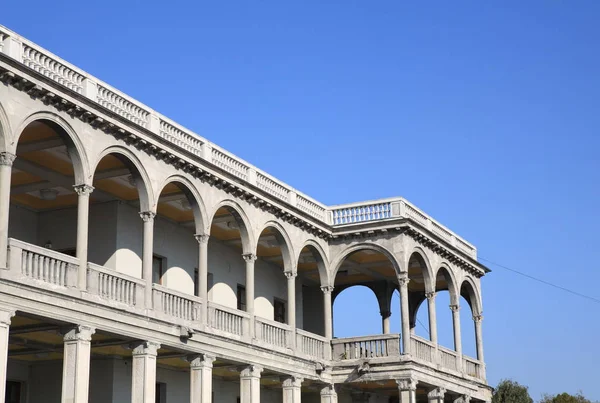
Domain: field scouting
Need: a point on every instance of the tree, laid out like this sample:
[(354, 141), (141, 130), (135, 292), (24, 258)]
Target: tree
[(509, 391), (565, 398)]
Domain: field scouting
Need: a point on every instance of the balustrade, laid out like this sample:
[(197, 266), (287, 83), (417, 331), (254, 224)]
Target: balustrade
[(114, 286), (385, 345), (228, 320), (422, 349), (273, 333), (472, 367), (313, 345), (448, 359), (176, 304)]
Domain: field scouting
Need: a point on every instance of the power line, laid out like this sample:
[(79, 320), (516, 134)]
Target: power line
[(539, 280), (420, 323)]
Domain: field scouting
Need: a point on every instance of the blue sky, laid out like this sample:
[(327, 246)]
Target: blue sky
[(484, 114)]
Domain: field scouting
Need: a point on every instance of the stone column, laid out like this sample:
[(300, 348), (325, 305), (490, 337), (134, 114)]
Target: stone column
[(403, 280), (203, 274), (463, 399), (147, 251), (76, 364), (250, 384), (407, 387), (436, 395), (5, 317), (250, 259), (291, 389), (385, 321), (291, 308), (83, 212), (6, 161), (327, 290), (201, 378), (478, 337), (457, 335), (433, 333), (328, 394), (143, 372)]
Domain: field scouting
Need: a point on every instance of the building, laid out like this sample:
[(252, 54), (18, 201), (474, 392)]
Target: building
[(140, 262)]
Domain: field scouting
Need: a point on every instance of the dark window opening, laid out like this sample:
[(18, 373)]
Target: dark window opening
[(279, 308), (157, 269), (161, 393), (241, 297), (13, 392)]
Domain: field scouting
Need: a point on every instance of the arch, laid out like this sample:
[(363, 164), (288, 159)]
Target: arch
[(285, 244), (193, 196), (242, 218), (5, 130), (444, 269), (322, 263), (426, 267), (468, 290), (74, 145), (137, 169), (364, 246)]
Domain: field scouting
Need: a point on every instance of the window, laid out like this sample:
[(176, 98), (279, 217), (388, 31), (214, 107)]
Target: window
[(210, 283), (157, 269), (196, 277), (161, 393), (13, 392), (279, 308), (241, 297)]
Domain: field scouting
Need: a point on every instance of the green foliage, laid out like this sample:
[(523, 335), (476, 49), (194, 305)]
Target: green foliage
[(509, 391), (565, 398)]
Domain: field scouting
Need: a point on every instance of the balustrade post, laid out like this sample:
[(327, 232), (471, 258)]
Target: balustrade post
[(403, 280), (143, 372), (83, 209), (147, 251), (436, 395), (329, 394), (407, 388), (250, 384), (291, 308), (13, 47), (457, 334), (250, 259), (6, 161), (201, 366), (477, 319), (327, 290), (203, 274), (76, 364), (5, 317), (292, 389)]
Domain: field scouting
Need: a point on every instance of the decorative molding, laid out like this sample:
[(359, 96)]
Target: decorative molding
[(327, 289), (455, 308), (202, 238), (477, 318), (250, 257), (403, 279), (83, 190), (6, 316), (78, 333), (463, 399), (200, 360), (437, 393), (251, 371), (147, 216), (407, 384), (145, 348), (291, 382), (430, 295), (328, 390), (290, 274), (7, 159)]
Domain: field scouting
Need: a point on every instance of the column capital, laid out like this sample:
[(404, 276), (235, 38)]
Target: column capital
[(454, 307), (407, 384), (6, 315), (147, 216), (291, 382), (78, 333), (83, 190), (463, 399), (249, 257), (385, 314), (403, 279), (144, 348), (327, 289), (251, 371), (290, 274), (202, 238), (328, 390), (437, 393), (7, 158), (477, 318), (201, 360), (430, 295)]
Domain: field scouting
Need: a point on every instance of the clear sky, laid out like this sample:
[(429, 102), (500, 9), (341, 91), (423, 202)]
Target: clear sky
[(483, 113)]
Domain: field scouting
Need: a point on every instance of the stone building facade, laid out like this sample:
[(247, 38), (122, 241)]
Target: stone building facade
[(140, 262)]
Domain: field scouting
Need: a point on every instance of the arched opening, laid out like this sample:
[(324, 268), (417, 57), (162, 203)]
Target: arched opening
[(371, 268), (226, 266), (311, 266), (418, 286), (115, 226), (271, 294), (469, 309), (445, 296), (43, 202), (176, 247)]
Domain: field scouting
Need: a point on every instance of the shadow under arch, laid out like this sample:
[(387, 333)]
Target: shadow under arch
[(241, 218), (468, 290), (192, 196), (445, 281), (337, 263), (283, 242), (316, 252)]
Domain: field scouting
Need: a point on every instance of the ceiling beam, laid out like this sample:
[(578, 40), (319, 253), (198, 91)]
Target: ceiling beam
[(46, 144), (172, 197), (111, 173), (39, 327)]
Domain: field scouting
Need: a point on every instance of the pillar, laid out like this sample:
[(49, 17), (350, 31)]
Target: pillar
[(5, 317), (403, 280), (203, 274), (477, 319), (457, 336), (327, 290), (250, 259), (201, 378), (433, 334), (143, 372), (6, 161), (291, 308), (83, 210), (250, 384), (328, 394), (292, 389), (407, 387), (462, 399), (147, 251), (436, 395), (76, 364), (385, 321)]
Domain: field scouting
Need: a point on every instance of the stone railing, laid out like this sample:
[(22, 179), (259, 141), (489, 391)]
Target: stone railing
[(42, 264), (273, 333), (473, 368), (228, 320), (448, 359), (422, 349), (122, 106), (113, 286), (384, 345), (313, 345), (176, 304)]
